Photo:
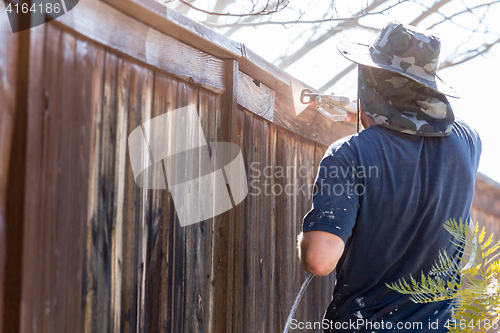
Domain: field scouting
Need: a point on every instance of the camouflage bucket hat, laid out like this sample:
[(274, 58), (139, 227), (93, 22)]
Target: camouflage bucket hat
[(402, 49)]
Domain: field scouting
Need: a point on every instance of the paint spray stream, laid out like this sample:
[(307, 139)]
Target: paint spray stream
[(296, 303)]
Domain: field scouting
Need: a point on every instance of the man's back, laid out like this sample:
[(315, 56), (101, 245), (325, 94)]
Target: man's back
[(387, 195)]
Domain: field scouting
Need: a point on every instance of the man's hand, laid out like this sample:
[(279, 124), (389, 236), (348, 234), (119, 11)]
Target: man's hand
[(319, 251), (351, 117)]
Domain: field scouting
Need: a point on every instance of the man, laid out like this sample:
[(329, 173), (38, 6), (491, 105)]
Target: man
[(382, 195)]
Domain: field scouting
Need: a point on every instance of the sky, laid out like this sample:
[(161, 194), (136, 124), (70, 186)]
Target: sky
[(476, 81)]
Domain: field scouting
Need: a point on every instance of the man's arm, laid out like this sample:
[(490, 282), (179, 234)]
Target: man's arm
[(319, 251)]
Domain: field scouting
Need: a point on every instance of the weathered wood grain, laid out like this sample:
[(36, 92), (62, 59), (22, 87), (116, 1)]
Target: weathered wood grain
[(174, 24), (104, 24), (165, 101), (95, 58), (99, 273), (158, 222), (263, 71), (31, 263), (271, 261), (200, 37), (255, 96), (144, 92), (49, 208), (263, 243), (9, 53), (199, 66), (139, 270), (203, 294), (282, 277), (13, 122)]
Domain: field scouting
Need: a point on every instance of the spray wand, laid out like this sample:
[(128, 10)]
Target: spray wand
[(332, 107)]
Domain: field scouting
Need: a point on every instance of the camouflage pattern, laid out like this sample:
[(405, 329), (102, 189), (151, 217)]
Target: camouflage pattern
[(403, 49), (401, 104), (414, 52)]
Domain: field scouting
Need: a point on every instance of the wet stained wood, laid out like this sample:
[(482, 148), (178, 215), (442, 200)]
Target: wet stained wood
[(193, 165), (99, 240), (9, 49), (159, 217), (139, 89), (95, 58), (265, 234), (281, 276), (13, 121), (142, 271), (270, 259), (238, 234), (166, 101), (249, 251), (32, 265), (49, 208), (229, 110), (144, 103), (107, 255)]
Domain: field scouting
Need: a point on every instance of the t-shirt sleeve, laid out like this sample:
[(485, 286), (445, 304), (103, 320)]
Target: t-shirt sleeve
[(336, 192)]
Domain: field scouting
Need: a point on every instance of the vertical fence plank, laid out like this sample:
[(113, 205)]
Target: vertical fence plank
[(159, 219), (203, 293), (282, 282), (33, 227), (166, 98), (50, 175), (266, 230), (249, 268), (272, 261), (121, 179), (237, 272), (186, 95), (239, 229), (66, 171), (94, 87), (101, 216), (144, 104), (191, 165), (255, 296)]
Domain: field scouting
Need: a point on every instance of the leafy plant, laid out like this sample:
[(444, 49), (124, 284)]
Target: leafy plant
[(474, 288)]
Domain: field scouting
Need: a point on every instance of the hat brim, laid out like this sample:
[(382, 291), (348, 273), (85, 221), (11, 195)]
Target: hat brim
[(360, 54)]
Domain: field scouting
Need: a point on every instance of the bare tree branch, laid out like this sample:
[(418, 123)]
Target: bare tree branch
[(219, 7), (299, 21), (420, 18), (445, 18), (472, 54), (286, 61), (182, 8), (264, 11), (261, 15)]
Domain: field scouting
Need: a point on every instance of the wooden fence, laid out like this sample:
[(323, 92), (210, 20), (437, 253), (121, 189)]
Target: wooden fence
[(88, 250)]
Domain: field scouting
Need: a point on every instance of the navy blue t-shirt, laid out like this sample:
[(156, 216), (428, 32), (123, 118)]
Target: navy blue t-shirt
[(387, 195)]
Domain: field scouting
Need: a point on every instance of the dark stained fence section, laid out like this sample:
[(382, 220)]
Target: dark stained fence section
[(100, 253), (112, 256)]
